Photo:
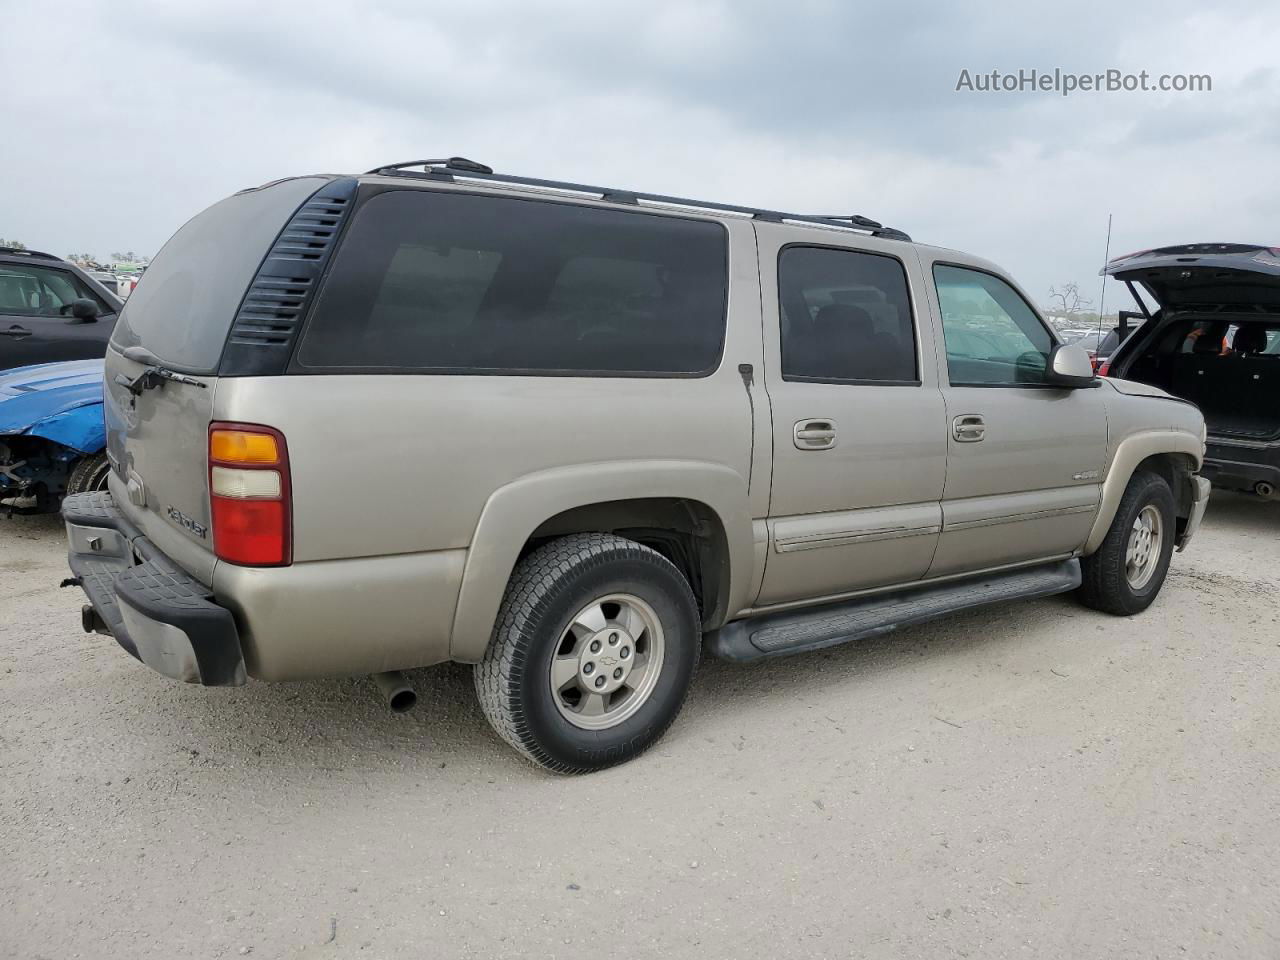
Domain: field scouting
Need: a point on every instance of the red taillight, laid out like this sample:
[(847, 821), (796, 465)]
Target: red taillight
[(249, 495), (1104, 368)]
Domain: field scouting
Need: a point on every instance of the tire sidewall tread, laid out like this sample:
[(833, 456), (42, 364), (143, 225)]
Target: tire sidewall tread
[(549, 586), (84, 473), (1103, 583)]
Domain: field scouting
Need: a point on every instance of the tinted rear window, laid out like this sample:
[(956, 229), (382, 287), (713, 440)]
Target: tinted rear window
[(183, 306), (846, 317), (445, 282)]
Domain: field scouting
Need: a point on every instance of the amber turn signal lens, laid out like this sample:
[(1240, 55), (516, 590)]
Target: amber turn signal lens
[(240, 446)]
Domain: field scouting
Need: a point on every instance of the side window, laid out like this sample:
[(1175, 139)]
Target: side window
[(993, 336), (427, 281), (32, 291), (845, 317)]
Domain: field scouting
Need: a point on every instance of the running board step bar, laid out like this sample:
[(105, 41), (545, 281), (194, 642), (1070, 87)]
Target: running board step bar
[(812, 628)]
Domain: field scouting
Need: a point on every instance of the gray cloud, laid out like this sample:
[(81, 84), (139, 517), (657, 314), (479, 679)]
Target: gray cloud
[(804, 105)]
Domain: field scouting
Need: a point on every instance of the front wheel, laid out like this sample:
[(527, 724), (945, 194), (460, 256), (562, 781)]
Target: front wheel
[(1127, 571), (595, 646)]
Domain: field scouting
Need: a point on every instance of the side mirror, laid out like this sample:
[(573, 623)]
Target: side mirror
[(84, 309), (1070, 366)]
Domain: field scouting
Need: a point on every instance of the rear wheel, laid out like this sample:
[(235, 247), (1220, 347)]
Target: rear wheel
[(89, 473), (595, 647), (1127, 571)]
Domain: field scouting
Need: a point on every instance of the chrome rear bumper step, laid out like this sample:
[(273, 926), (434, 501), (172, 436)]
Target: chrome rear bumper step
[(812, 628)]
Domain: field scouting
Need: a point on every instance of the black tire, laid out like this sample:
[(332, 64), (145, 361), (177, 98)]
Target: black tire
[(547, 590), (89, 473), (1105, 586)]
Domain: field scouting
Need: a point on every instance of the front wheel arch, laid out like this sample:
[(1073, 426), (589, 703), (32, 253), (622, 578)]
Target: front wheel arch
[(1173, 454)]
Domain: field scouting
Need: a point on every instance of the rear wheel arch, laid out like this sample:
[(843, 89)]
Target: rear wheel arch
[(693, 513), (688, 533)]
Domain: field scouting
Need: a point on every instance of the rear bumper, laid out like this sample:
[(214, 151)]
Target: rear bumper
[(153, 609), (1242, 467)]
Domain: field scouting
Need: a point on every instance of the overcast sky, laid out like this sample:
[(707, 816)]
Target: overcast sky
[(121, 119)]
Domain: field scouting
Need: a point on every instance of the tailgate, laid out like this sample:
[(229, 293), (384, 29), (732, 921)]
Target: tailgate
[(161, 367), (157, 442)]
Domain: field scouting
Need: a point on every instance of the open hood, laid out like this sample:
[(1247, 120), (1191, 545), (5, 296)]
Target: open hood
[(1233, 276)]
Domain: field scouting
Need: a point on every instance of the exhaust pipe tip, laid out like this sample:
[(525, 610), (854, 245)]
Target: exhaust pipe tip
[(402, 701), (396, 691), (1264, 489)]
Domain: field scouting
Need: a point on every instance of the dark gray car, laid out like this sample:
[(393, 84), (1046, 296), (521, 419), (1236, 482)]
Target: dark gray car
[(51, 310)]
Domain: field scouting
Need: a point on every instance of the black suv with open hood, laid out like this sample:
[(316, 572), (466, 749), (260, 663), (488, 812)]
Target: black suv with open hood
[(1213, 337)]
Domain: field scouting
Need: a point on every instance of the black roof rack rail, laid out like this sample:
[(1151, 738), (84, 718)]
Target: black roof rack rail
[(22, 251), (446, 169)]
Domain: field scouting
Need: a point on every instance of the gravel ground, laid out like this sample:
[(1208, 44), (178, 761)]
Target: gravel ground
[(1030, 780)]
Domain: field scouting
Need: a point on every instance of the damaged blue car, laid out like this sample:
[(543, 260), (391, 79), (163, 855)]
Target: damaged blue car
[(52, 435)]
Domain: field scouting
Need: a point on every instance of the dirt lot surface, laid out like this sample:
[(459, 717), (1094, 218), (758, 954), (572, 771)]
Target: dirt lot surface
[(1033, 780)]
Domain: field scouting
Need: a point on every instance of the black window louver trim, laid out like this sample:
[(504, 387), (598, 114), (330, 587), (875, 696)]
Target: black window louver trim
[(266, 324)]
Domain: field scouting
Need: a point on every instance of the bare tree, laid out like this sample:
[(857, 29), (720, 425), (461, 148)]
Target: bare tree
[(1069, 298), (12, 244)]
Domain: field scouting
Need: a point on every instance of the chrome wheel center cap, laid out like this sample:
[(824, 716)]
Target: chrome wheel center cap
[(606, 660)]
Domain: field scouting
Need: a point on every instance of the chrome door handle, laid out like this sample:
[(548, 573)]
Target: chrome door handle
[(968, 428), (814, 434)]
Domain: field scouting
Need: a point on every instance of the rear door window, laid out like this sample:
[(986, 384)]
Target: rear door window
[(845, 316), (431, 281)]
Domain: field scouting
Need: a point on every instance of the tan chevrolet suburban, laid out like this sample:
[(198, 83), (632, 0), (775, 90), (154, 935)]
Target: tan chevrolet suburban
[(574, 434)]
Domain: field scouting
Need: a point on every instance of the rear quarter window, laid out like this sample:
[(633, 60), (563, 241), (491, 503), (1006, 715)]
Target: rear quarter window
[(184, 304), (456, 283)]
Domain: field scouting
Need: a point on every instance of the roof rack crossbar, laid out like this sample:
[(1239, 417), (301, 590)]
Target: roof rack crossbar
[(449, 169)]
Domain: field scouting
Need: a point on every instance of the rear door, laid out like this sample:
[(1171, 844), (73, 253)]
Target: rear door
[(36, 325), (859, 437), (1024, 459), (178, 318)]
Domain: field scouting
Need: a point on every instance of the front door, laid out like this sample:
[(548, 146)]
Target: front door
[(1024, 459), (859, 431)]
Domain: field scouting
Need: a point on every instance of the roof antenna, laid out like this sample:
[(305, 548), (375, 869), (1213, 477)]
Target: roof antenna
[(1102, 297)]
